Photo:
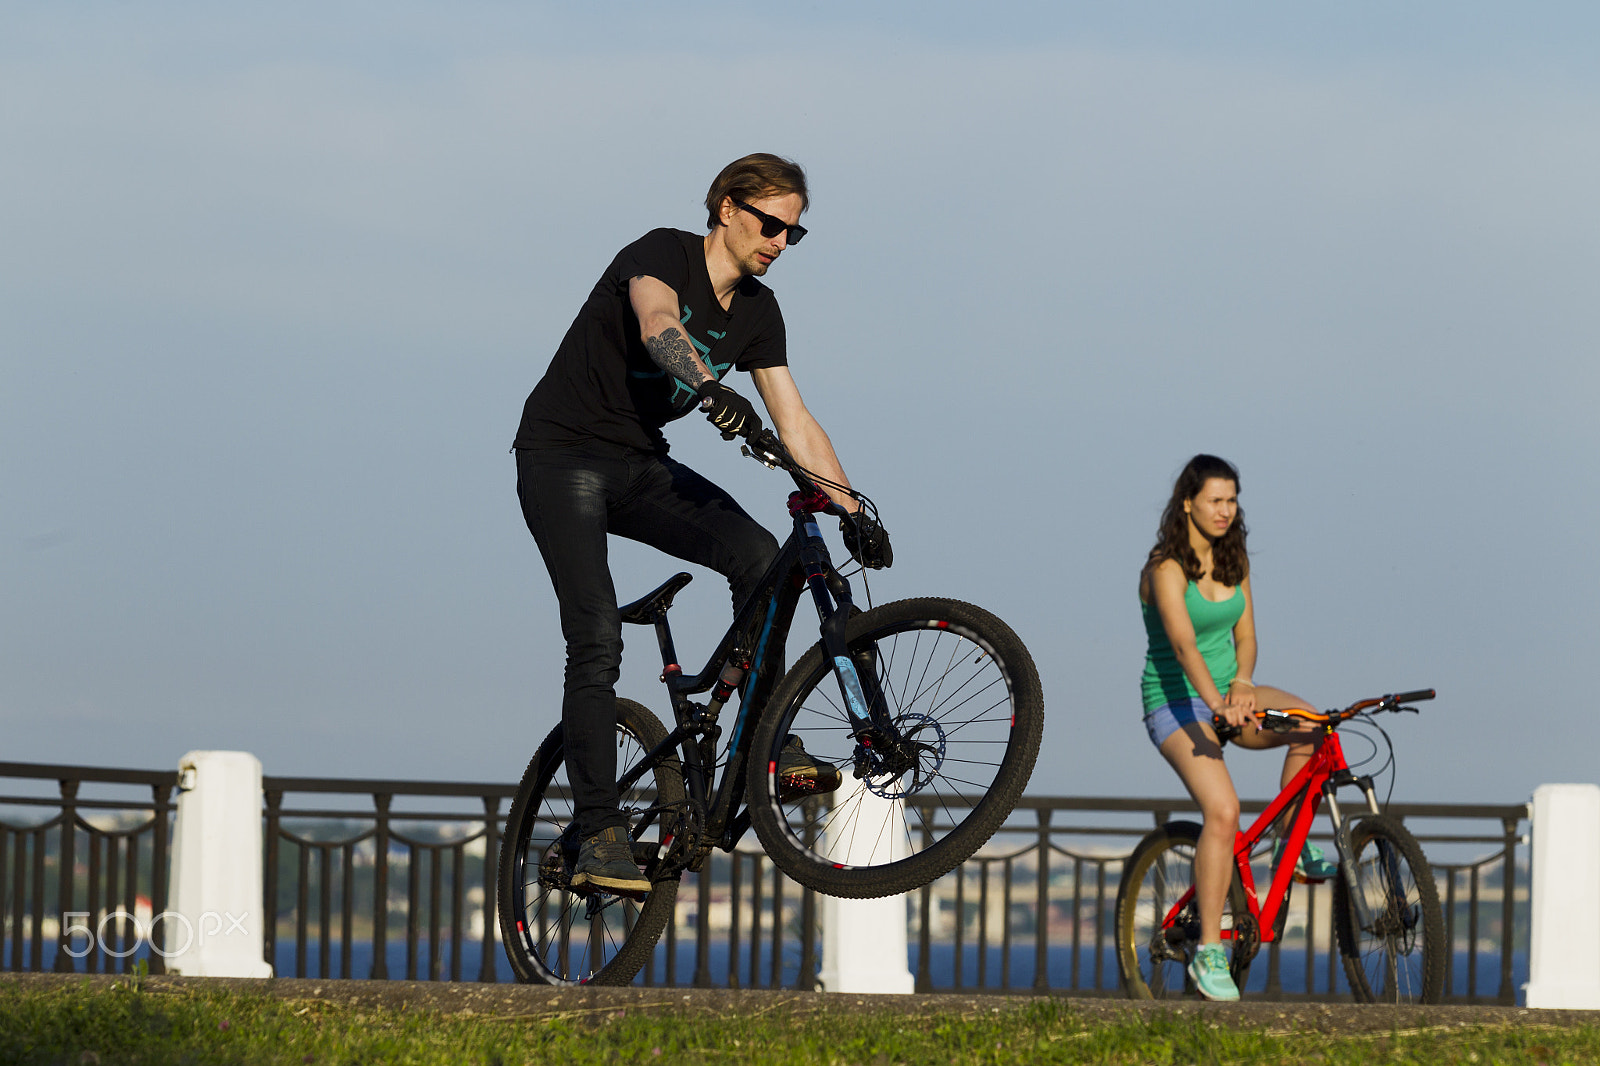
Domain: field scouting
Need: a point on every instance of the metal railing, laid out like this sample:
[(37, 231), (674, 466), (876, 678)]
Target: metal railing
[(988, 912), (395, 879), (350, 861), (114, 875)]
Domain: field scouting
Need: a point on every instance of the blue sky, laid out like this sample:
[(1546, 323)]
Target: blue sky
[(275, 282)]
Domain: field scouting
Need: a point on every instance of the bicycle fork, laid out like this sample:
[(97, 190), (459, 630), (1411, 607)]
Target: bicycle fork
[(880, 749), (1342, 840)]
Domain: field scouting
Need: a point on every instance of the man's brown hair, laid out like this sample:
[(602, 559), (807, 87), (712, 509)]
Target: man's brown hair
[(753, 178)]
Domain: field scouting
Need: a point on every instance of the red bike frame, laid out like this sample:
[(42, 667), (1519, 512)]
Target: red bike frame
[(1307, 788)]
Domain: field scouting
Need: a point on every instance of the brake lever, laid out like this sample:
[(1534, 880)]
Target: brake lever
[(761, 457), (1276, 721)]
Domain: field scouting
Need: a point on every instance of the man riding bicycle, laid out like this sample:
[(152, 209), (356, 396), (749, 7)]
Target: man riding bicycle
[(669, 318)]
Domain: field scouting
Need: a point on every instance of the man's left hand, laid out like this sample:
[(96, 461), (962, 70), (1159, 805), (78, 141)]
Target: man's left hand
[(867, 540)]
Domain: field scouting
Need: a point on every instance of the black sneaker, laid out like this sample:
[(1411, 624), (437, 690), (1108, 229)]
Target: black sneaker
[(800, 775), (606, 862)]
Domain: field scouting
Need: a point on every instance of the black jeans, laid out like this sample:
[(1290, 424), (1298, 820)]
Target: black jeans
[(572, 498)]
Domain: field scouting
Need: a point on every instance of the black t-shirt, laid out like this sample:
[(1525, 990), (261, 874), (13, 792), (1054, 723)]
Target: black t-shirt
[(602, 383)]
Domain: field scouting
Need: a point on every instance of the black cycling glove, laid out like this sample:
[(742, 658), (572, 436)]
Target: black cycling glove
[(867, 540), (728, 411)]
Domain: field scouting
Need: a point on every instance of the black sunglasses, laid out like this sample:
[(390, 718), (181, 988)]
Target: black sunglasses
[(771, 225)]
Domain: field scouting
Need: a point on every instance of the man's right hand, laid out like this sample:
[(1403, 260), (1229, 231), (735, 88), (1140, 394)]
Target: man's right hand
[(728, 411)]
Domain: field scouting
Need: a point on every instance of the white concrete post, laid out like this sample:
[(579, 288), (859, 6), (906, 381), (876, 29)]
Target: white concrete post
[(216, 919), (864, 940), (1564, 956)]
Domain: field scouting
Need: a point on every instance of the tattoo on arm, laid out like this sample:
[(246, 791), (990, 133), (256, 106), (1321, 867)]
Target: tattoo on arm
[(673, 353)]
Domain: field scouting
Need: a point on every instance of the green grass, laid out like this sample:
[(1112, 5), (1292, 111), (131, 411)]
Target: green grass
[(79, 1025)]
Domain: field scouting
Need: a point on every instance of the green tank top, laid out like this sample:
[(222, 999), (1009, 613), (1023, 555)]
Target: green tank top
[(1164, 681)]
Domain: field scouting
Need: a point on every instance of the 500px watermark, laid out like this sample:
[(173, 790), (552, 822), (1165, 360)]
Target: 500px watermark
[(210, 926)]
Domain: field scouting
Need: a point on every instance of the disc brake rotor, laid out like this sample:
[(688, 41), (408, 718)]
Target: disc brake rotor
[(926, 739)]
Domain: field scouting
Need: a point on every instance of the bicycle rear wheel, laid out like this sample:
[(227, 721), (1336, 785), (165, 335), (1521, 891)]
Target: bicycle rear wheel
[(1399, 955), (1153, 953), (556, 936), (961, 686)]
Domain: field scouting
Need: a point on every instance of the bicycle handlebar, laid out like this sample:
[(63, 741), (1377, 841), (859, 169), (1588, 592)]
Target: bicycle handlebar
[(765, 448), (1288, 719)]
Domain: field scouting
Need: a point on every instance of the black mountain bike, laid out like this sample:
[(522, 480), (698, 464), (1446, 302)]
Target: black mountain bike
[(930, 709)]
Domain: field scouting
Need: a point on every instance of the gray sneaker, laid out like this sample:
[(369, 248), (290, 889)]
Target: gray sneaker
[(801, 775), (606, 862)]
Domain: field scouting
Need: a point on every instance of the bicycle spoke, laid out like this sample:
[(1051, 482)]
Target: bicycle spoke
[(557, 935), (1391, 931), (950, 706)]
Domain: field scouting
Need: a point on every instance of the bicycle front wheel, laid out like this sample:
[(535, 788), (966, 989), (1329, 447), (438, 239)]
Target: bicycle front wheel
[(1397, 952), (560, 937), (1156, 937), (960, 687)]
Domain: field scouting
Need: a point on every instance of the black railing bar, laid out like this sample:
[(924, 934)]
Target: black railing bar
[(55, 771), (1098, 803), (1134, 832), (367, 816), (313, 842), (442, 842), (99, 805), (371, 832), (39, 771), (1469, 867), (1464, 838), (357, 785), (1186, 805), (1518, 811), (1017, 832), (130, 833)]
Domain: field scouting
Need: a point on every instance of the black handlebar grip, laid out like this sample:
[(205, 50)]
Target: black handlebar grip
[(1224, 731), (1414, 697)]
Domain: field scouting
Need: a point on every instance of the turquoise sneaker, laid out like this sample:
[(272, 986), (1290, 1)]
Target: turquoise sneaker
[(1209, 969), (1313, 865)]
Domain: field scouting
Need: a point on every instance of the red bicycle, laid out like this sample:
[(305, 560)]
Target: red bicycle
[(1387, 920)]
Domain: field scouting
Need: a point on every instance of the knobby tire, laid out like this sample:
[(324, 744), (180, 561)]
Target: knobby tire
[(555, 936), (1401, 955), (961, 683), (1154, 964)]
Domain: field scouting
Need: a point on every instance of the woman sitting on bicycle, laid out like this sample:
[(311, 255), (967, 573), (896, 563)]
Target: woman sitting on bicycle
[(1195, 594)]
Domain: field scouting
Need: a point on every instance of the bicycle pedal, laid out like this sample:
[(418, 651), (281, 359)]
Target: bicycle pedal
[(795, 787), (595, 895)]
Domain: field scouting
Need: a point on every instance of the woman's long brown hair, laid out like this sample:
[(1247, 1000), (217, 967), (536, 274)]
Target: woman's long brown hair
[(1230, 564)]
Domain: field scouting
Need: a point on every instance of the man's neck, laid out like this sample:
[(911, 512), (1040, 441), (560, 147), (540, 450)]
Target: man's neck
[(722, 267)]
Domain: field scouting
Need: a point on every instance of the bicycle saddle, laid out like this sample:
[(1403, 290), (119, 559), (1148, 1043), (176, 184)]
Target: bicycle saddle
[(645, 610)]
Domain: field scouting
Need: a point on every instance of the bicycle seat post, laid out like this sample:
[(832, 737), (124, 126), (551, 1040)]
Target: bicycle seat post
[(669, 654)]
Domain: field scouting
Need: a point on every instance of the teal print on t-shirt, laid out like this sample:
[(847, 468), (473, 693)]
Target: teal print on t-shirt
[(683, 397)]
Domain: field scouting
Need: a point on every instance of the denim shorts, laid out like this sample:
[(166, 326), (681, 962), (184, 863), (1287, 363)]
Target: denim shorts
[(1167, 719)]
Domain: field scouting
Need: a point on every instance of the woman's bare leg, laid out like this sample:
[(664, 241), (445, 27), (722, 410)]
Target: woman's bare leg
[(1195, 754), (1301, 745)]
